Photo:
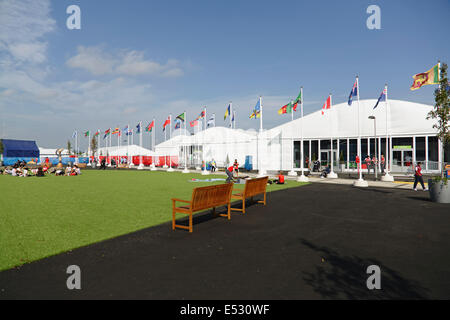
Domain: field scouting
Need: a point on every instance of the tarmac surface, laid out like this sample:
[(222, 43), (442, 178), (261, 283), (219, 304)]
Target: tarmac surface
[(311, 242)]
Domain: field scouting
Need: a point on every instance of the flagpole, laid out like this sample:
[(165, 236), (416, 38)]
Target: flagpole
[(302, 177), (205, 124), (89, 149), (141, 163), (332, 174), (387, 176), (165, 139), (185, 170), (292, 172), (153, 166), (360, 182), (170, 134), (261, 171)]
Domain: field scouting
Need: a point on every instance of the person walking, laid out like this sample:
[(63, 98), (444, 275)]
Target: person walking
[(382, 163), (213, 165), (368, 161), (418, 177)]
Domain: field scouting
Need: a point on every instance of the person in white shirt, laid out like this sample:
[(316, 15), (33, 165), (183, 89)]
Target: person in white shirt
[(14, 172)]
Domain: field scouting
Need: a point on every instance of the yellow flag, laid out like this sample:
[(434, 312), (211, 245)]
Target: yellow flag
[(429, 77)]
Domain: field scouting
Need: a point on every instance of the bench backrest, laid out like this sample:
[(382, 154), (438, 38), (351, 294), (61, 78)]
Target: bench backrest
[(255, 186), (211, 196)]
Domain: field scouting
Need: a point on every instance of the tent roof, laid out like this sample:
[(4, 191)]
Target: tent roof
[(20, 148)]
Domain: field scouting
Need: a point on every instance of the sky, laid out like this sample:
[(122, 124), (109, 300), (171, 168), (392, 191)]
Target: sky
[(137, 60)]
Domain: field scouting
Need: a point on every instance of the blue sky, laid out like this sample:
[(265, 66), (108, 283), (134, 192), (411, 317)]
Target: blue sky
[(140, 59)]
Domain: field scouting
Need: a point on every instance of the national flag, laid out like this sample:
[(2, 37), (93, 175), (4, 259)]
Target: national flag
[(75, 133), (150, 126), (211, 121), (138, 128), (298, 99), (129, 132), (167, 122), (234, 114), (116, 130), (125, 129), (256, 111), (87, 133), (327, 104), (227, 112), (382, 97), (107, 132), (97, 133), (181, 116), (201, 115), (425, 78), (353, 93), (193, 123), (288, 108)]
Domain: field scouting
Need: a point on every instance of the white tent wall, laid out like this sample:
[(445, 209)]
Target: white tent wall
[(405, 119)]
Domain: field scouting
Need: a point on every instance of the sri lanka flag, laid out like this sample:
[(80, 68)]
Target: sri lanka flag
[(425, 78), (382, 97), (227, 113), (353, 93)]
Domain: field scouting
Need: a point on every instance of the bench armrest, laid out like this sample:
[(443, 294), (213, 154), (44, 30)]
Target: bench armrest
[(180, 200)]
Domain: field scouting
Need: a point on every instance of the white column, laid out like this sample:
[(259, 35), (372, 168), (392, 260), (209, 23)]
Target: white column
[(205, 119), (426, 153), (332, 174), (185, 170), (348, 153), (292, 172), (261, 171), (141, 163)]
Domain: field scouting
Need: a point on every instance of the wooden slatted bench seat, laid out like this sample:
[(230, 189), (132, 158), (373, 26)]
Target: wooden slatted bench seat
[(252, 188), (203, 198)]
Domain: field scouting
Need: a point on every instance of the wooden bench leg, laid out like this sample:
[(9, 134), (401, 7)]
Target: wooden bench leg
[(190, 222), (243, 205), (173, 219), (229, 210)]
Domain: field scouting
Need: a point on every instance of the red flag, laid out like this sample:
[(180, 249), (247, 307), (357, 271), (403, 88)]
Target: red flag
[(166, 123), (327, 104), (193, 123)]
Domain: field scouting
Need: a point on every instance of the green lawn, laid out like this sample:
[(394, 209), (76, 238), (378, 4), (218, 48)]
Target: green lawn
[(40, 217)]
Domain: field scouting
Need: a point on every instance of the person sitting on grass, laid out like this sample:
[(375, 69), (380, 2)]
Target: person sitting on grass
[(325, 172), (40, 172)]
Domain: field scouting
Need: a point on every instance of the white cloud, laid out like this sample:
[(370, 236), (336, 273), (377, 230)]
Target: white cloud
[(128, 63), (92, 59)]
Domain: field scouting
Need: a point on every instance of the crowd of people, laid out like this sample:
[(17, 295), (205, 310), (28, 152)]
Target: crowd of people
[(22, 169)]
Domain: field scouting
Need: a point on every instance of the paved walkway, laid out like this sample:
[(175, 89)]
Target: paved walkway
[(310, 242)]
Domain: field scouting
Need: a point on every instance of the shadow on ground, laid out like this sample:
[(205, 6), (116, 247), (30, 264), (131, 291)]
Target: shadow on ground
[(342, 277)]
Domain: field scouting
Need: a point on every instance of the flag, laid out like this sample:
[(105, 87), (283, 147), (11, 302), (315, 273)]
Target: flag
[(425, 78), (382, 97), (227, 113), (288, 108), (97, 133), (150, 126), (256, 111), (181, 116), (87, 134), (116, 130), (234, 113), (167, 122), (125, 129), (177, 124), (129, 132), (327, 104), (138, 128), (298, 99), (193, 123), (107, 132), (211, 121), (75, 133), (353, 93)]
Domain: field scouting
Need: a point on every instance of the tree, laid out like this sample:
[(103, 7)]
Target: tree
[(69, 146), (441, 111), (93, 145), (1, 146)]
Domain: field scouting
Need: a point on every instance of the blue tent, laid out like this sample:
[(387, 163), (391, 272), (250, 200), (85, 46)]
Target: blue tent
[(20, 149)]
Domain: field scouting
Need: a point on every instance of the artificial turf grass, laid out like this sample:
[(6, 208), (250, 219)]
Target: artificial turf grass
[(45, 216)]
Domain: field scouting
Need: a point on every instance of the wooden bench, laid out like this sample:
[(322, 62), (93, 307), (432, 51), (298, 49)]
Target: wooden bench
[(252, 188), (203, 198)]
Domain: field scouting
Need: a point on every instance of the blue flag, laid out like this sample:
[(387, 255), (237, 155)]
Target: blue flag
[(138, 128), (353, 93), (381, 98)]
